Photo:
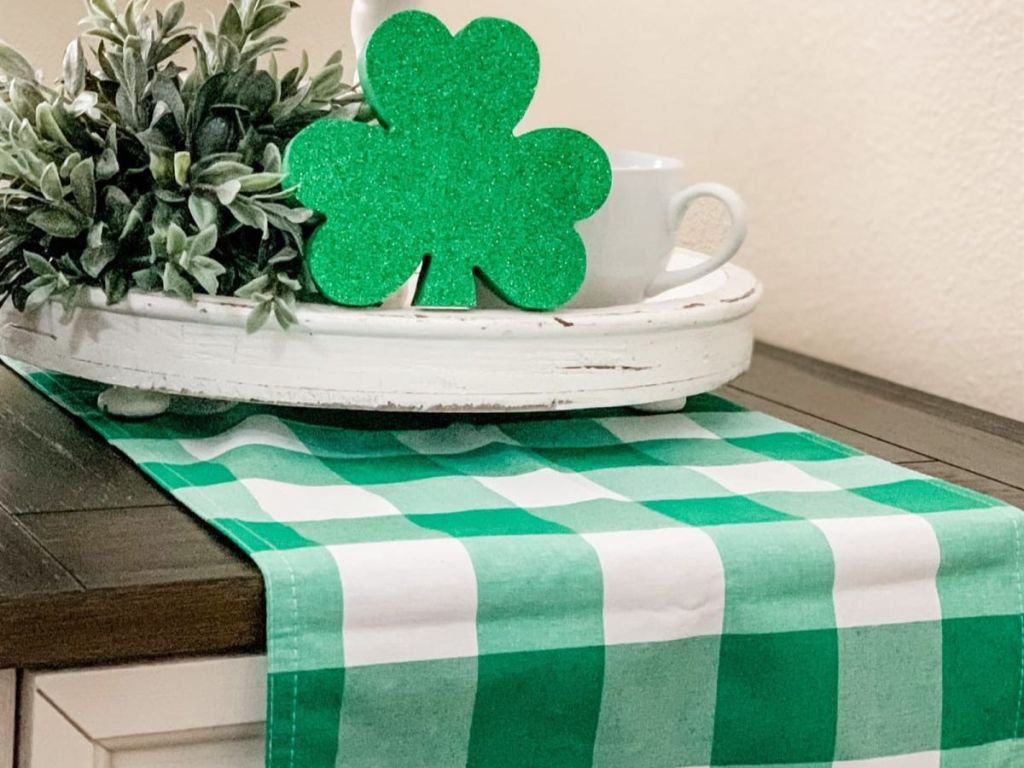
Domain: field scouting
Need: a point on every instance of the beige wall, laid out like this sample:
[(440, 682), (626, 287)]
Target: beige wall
[(880, 145)]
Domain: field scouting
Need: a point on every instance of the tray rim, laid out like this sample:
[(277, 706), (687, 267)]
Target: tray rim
[(739, 296)]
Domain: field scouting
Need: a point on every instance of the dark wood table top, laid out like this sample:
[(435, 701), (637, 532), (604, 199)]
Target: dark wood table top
[(99, 566)]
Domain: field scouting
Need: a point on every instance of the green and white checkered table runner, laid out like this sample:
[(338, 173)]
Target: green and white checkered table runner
[(714, 588)]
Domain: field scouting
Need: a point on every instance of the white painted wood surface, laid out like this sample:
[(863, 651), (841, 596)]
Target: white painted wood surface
[(202, 714), (685, 343), (8, 699)]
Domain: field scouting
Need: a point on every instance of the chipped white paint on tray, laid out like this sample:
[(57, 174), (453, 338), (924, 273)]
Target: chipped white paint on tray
[(408, 359)]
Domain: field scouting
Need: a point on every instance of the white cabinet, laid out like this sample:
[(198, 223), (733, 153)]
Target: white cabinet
[(199, 714)]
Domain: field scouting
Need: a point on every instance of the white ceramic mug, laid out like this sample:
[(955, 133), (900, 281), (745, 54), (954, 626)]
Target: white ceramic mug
[(630, 240)]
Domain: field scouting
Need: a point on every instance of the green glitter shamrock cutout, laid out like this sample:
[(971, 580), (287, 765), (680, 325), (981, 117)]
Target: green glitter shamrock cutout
[(443, 180)]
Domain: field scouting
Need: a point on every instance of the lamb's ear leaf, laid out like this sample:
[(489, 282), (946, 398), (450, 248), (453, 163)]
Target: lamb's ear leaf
[(14, 64)]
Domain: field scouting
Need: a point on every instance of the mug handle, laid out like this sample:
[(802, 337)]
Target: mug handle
[(678, 207)]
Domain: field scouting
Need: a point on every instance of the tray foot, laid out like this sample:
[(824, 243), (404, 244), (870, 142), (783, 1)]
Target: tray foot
[(127, 403), (663, 406), (136, 404)]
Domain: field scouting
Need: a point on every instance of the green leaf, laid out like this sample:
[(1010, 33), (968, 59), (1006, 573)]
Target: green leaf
[(107, 166), (115, 286), (40, 296), (10, 166), (272, 159), (69, 165), (297, 215), (95, 236), (173, 15), (231, 25), (39, 265), (177, 242), (227, 193), (259, 316), (203, 243), (284, 256), (83, 186), (206, 271), (223, 172), (49, 184), (147, 279), (104, 7), (250, 215), (176, 285), (56, 222), (47, 126), (14, 64), (261, 182), (254, 286), (204, 212), (182, 165), (284, 312), (95, 260), (74, 68)]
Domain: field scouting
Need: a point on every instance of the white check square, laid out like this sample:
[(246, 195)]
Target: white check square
[(288, 503), (660, 585), (669, 426), (547, 488), (456, 439), (407, 601), (917, 760), (763, 477), (885, 569), (256, 430)]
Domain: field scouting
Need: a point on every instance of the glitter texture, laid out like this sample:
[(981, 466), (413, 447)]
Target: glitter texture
[(443, 180)]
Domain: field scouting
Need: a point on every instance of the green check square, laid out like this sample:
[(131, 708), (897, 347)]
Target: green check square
[(537, 709), (745, 424), (708, 403), (559, 433), (982, 680), (1008, 754), (778, 580), (314, 696), (392, 699), (197, 474), (304, 619), (856, 471), (272, 463), (976, 546), (777, 699), (261, 536), (659, 704), (890, 690), (492, 461), (696, 452), (722, 510), (924, 496), (793, 446), (363, 530), (386, 469), (605, 515), (561, 604), (438, 495), (584, 459), (651, 483), (824, 504), (510, 521), (328, 442)]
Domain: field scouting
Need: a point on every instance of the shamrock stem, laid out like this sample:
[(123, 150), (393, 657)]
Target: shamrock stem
[(446, 283)]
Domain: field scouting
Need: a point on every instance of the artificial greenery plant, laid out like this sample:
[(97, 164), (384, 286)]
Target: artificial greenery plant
[(133, 172)]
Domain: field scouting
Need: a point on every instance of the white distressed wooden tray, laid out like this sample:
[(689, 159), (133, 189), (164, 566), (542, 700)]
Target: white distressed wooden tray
[(683, 343)]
